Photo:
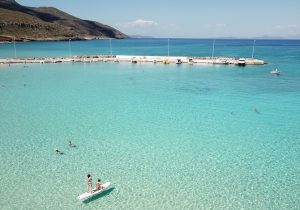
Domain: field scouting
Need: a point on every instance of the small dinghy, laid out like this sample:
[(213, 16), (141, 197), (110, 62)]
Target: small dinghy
[(86, 195), (275, 72)]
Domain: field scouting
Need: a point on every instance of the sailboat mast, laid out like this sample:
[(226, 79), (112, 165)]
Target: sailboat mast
[(168, 47), (213, 49), (110, 47), (253, 48), (70, 52), (15, 49)]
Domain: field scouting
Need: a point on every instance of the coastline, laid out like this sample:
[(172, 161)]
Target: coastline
[(5, 40)]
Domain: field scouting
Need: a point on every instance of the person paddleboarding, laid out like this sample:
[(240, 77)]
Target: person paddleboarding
[(89, 183)]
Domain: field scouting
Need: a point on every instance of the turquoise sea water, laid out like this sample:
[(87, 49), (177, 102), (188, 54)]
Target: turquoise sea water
[(166, 136)]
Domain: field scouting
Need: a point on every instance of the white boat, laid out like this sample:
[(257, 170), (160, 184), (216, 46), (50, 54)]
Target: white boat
[(179, 61), (133, 60), (220, 61), (242, 62), (191, 61), (86, 195), (275, 72)]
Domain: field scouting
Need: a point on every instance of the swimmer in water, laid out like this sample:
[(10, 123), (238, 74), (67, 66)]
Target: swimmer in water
[(256, 111), (71, 144), (58, 151)]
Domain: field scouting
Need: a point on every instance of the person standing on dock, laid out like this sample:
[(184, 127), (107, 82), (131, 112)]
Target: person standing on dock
[(89, 183)]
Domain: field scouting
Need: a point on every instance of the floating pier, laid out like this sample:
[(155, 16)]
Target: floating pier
[(134, 59)]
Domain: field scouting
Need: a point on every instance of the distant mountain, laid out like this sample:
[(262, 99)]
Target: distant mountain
[(48, 23)]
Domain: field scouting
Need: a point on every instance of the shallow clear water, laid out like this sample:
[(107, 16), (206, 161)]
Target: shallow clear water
[(167, 137)]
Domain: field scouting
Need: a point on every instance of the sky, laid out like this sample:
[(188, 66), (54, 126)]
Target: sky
[(188, 18)]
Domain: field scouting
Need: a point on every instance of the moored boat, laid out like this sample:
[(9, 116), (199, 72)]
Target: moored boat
[(166, 61), (178, 61), (220, 61), (241, 62), (275, 72), (133, 60), (191, 61)]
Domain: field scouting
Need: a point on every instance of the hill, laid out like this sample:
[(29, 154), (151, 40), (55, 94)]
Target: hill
[(48, 23)]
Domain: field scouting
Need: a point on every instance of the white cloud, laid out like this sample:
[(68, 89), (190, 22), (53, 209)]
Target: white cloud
[(282, 27), (278, 27), (217, 25), (142, 23), (292, 26), (221, 25)]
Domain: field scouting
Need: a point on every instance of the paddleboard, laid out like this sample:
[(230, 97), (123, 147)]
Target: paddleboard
[(87, 195)]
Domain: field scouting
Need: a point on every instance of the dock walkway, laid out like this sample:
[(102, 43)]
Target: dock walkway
[(133, 59)]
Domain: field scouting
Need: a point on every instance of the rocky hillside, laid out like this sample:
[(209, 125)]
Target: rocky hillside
[(47, 23)]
